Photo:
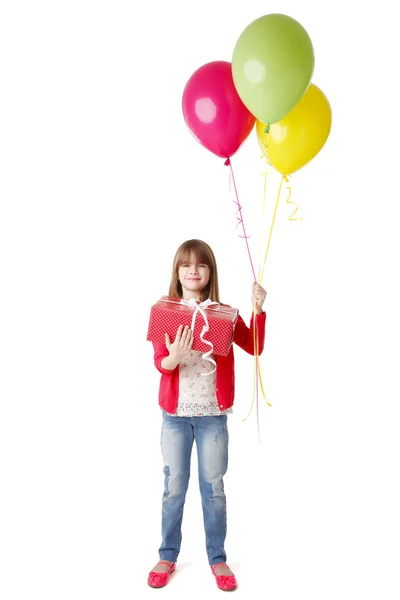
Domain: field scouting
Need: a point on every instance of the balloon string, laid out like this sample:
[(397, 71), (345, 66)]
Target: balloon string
[(265, 174), (272, 226), (289, 201), (257, 376), (257, 370), (262, 228), (255, 386), (240, 218), (285, 179), (262, 387)]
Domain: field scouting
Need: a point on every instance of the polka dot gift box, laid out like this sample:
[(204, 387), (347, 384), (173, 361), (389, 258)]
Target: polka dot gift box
[(213, 323)]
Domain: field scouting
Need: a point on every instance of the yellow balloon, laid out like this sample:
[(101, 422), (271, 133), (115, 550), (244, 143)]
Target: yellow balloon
[(294, 140)]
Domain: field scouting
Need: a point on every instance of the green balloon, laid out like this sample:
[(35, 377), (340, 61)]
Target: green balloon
[(272, 66)]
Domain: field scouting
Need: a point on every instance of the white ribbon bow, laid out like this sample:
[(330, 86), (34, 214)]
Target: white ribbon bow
[(199, 308)]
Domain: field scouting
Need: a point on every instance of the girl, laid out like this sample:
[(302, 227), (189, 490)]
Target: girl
[(195, 408)]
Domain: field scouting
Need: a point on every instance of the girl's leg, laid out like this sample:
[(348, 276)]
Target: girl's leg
[(176, 445), (211, 434)]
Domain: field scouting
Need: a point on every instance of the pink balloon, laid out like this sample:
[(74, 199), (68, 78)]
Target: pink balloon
[(213, 111)]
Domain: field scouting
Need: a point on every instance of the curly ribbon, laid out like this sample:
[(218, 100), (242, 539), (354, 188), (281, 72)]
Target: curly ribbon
[(289, 201), (199, 308)]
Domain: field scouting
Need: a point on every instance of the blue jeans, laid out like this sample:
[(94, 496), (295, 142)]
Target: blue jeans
[(211, 435)]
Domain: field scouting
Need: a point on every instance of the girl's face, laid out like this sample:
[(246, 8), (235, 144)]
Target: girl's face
[(194, 277)]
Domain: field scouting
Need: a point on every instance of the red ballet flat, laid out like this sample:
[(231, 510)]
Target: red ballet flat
[(157, 580), (226, 583)]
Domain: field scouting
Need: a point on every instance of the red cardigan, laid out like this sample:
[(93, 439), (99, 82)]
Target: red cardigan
[(225, 375)]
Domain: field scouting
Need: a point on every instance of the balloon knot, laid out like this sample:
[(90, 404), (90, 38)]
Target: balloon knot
[(267, 128), (227, 162)]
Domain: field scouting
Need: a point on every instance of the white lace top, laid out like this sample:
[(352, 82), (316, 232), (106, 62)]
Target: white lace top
[(197, 397)]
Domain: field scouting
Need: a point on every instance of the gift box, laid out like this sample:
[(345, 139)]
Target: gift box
[(168, 313)]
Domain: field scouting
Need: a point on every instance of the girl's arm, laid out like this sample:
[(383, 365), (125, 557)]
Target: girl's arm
[(244, 336)]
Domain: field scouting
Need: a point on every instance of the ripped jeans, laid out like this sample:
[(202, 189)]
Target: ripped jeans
[(211, 435)]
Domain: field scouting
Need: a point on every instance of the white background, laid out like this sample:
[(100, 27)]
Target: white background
[(100, 183)]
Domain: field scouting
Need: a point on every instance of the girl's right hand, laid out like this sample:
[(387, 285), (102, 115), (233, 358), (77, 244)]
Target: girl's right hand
[(182, 343)]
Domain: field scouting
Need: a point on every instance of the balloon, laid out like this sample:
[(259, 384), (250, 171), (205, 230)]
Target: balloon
[(272, 66), (299, 136), (213, 111)]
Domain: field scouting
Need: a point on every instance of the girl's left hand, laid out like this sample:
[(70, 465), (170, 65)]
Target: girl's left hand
[(258, 297)]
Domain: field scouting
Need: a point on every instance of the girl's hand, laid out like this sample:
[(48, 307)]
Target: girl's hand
[(258, 297), (182, 344)]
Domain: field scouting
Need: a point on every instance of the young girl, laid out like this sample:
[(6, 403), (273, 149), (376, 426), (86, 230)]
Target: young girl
[(195, 407)]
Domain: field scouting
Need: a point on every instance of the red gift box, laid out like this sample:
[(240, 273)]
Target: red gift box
[(168, 313)]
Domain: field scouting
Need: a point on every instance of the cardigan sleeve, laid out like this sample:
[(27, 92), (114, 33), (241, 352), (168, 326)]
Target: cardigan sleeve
[(160, 352), (244, 336)]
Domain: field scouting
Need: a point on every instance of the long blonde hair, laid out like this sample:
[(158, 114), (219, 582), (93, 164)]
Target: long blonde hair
[(201, 253)]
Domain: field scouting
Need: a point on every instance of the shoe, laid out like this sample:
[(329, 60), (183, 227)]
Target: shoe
[(157, 580), (227, 583)]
